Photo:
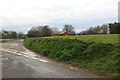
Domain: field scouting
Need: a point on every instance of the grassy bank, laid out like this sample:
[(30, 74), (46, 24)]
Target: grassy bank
[(99, 57), (5, 40)]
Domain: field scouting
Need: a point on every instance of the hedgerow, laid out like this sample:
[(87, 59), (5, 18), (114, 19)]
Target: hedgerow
[(100, 57)]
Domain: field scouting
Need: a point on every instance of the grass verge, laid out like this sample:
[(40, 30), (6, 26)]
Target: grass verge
[(99, 38), (5, 40)]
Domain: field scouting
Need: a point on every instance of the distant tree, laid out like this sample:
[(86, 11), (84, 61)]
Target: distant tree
[(20, 35), (96, 30), (40, 31), (114, 28), (104, 29), (4, 34), (68, 28), (46, 31), (91, 30), (13, 34), (8, 34), (54, 30), (33, 32)]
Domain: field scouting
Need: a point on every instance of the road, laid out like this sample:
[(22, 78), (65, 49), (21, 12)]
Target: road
[(19, 62)]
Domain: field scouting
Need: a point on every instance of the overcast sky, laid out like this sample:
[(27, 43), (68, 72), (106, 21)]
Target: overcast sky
[(21, 15)]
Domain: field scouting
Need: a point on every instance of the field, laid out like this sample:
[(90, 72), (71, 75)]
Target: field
[(5, 40), (101, 38), (100, 55)]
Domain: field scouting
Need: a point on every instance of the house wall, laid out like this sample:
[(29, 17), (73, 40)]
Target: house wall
[(56, 35), (64, 34)]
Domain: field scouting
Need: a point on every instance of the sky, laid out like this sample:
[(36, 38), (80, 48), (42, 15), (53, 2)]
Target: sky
[(21, 15)]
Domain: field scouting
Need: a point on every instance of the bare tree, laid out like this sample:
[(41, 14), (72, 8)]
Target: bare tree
[(40, 31), (68, 28), (33, 32), (104, 28), (46, 31), (97, 30), (54, 30)]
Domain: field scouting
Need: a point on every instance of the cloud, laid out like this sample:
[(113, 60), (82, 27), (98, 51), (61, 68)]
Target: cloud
[(80, 13)]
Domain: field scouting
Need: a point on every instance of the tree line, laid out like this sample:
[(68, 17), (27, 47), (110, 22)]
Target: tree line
[(43, 31), (38, 31), (112, 28), (104, 29), (4, 34), (46, 30)]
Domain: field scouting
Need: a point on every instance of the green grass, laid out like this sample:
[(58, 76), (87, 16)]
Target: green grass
[(5, 40), (100, 38), (102, 57)]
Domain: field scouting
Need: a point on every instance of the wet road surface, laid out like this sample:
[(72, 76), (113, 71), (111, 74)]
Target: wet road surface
[(19, 62)]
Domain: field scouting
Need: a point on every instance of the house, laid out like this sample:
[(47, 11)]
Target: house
[(64, 33)]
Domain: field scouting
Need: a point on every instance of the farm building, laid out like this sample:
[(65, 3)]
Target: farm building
[(65, 33)]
